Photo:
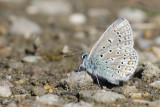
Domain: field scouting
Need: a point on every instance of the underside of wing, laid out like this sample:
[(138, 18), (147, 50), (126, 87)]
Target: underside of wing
[(119, 33), (113, 55)]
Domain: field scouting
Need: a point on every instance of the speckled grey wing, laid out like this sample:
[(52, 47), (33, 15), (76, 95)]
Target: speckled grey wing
[(113, 55)]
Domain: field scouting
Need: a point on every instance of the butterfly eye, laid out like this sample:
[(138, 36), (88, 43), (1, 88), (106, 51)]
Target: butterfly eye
[(84, 55)]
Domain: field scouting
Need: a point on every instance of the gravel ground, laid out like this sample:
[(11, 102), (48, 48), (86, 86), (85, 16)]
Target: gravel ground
[(40, 46)]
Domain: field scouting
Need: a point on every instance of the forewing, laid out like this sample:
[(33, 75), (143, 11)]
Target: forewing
[(113, 55)]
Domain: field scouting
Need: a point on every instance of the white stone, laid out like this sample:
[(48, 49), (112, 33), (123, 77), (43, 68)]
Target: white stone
[(80, 104), (48, 99), (155, 84), (5, 91), (103, 96), (77, 19), (31, 59), (49, 7), (65, 49), (24, 26), (157, 40), (133, 15)]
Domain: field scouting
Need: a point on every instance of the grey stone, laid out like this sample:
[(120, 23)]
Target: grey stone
[(80, 104), (48, 99), (155, 84), (102, 96), (24, 26), (150, 72), (76, 79), (133, 15), (31, 59), (39, 91), (49, 7)]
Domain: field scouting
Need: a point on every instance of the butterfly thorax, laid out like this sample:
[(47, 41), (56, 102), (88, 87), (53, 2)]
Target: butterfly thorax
[(86, 64)]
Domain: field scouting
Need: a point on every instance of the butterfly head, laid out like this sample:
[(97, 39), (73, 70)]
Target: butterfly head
[(84, 55)]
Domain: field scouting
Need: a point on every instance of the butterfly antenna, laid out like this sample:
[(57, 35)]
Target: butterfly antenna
[(74, 51)]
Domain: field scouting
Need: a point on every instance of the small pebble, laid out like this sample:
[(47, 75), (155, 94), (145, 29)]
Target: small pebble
[(155, 84), (77, 19), (150, 72), (47, 87), (6, 51), (157, 40), (147, 34), (5, 91), (39, 91), (140, 101), (135, 95), (103, 96), (50, 90), (156, 51), (48, 99), (146, 94), (129, 89), (19, 82), (76, 79), (31, 59), (20, 96), (65, 49), (49, 7), (80, 104)]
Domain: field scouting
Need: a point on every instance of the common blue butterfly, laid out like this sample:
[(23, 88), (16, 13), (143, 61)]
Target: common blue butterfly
[(113, 57)]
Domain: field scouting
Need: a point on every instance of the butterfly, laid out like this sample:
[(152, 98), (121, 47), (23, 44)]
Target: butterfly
[(113, 57)]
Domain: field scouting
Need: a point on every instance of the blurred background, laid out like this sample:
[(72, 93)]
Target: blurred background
[(44, 38)]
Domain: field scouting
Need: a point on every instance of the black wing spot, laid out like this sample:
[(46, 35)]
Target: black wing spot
[(119, 66), (110, 51), (109, 41), (118, 53), (114, 30), (121, 62), (103, 47), (106, 62), (120, 36), (101, 55), (118, 33), (120, 40), (118, 71)]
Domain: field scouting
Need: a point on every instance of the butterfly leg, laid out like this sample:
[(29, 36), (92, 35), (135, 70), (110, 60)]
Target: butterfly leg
[(97, 80), (81, 68)]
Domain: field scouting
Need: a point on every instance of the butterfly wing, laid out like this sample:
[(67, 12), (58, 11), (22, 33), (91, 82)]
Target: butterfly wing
[(113, 55)]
